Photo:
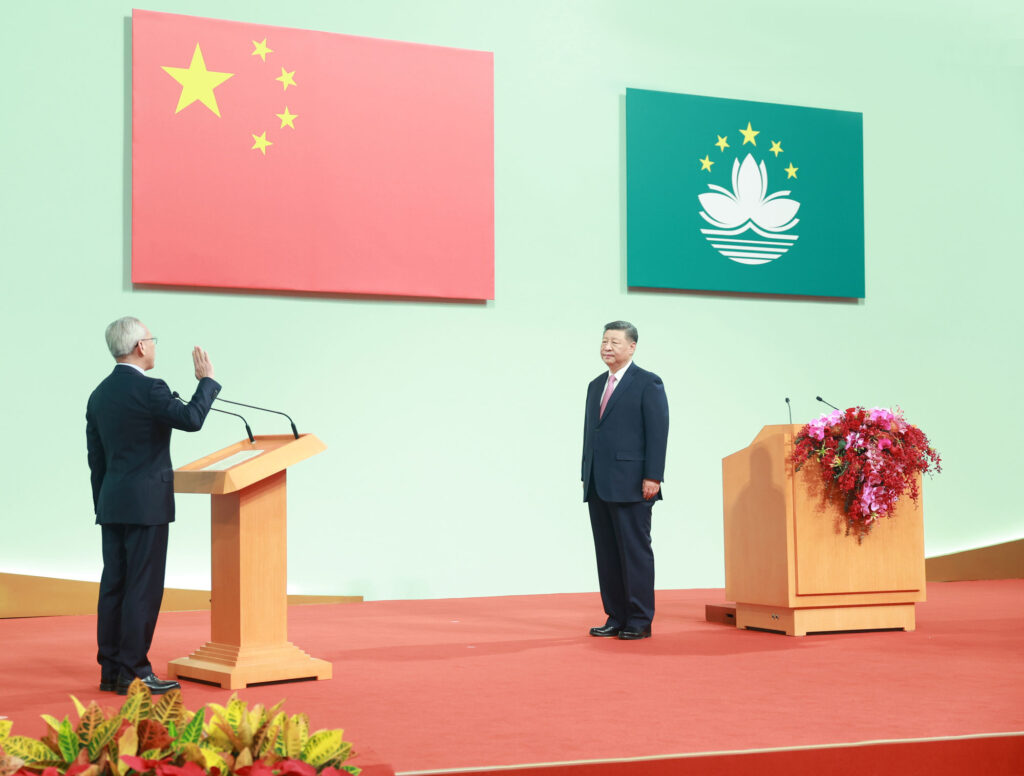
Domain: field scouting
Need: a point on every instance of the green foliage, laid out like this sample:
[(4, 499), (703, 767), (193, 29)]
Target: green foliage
[(147, 735), (68, 741)]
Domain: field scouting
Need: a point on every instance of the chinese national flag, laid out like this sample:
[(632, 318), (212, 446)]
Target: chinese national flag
[(274, 158)]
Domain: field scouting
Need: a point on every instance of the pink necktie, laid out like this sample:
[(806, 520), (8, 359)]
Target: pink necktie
[(607, 394)]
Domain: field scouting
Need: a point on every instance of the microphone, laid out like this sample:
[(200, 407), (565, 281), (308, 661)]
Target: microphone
[(790, 408), (295, 431), (825, 402), (252, 439)]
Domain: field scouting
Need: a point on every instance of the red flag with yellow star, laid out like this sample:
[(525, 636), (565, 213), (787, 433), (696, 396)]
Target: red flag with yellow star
[(275, 158)]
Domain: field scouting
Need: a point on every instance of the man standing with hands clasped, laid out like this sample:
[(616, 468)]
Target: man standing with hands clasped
[(128, 432), (625, 436)]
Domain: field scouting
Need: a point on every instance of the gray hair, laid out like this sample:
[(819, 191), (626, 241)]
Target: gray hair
[(623, 326), (123, 335)]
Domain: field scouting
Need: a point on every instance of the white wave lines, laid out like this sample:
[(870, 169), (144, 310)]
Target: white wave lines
[(749, 251)]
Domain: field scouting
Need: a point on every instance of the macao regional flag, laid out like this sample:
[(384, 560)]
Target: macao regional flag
[(274, 158), (731, 195)]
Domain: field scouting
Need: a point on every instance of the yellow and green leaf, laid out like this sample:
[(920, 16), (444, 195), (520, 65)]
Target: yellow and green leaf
[(34, 753), (213, 759), (169, 709), (53, 722), (89, 719), (292, 740), (132, 704), (79, 707), (102, 736), (68, 741), (127, 744), (192, 733), (322, 747)]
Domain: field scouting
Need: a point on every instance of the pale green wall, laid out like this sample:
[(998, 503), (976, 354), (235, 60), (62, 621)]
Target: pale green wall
[(454, 429)]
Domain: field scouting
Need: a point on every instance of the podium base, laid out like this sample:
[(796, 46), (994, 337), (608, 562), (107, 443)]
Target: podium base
[(234, 667), (800, 622)]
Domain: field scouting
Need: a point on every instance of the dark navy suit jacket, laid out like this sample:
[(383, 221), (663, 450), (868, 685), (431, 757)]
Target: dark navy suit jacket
[(627, 444), (128, 433)]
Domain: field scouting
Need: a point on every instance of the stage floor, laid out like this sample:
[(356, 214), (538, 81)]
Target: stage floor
[(485, 682)]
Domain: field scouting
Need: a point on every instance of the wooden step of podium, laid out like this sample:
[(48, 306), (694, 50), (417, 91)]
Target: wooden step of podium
[(800, 622), (724, 614), (234, 667)]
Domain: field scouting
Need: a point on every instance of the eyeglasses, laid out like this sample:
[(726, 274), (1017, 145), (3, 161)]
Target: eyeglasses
[(147, 339)]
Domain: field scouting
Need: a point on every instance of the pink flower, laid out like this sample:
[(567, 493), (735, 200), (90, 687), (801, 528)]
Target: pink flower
[(884, 443), (878, 414)]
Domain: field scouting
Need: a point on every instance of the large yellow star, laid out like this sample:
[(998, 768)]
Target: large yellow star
[(287, 118), (776, 148), (705, 163), (261, 49), (722, 143), (197, 83), (749, 134), (261, 143), (791, 171), (286, 78)]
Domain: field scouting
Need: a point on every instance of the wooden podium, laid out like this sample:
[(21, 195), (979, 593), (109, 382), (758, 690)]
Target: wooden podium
[(249, 597), (789, 565)]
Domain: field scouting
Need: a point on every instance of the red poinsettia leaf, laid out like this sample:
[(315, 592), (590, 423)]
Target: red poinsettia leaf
[(140, 764), (295, 768), (188, 769)]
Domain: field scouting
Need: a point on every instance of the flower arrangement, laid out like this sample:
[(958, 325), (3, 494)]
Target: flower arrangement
[(867, 459), (166, 739)]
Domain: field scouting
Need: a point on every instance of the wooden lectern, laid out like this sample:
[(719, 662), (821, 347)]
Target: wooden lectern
[(789, 565), (249, 596)]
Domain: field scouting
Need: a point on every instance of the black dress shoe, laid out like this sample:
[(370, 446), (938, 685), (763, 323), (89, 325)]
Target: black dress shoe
[(108, 683), (605, 631), (156, 685), (626, 634)]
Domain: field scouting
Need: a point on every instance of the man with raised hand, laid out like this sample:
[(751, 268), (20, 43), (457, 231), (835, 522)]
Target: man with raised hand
[(128, 433)]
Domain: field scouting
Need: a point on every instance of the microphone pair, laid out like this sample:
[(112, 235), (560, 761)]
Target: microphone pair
[(790, 407), (248, 431)]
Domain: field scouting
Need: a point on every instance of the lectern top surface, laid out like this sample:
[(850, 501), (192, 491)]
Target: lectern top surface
[(239, 465), (232, 460)]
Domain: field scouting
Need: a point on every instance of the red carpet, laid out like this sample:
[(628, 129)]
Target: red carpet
[(486, 682)]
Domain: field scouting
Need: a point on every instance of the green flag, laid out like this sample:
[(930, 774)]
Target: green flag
[(732, 195)]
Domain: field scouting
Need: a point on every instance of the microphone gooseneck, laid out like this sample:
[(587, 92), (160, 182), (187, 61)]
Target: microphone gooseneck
[(248, 431), (825, 402), (295, 431), (790, 408)]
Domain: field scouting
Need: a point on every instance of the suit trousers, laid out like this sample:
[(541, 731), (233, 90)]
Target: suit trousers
[(625, 560), (131, 589)]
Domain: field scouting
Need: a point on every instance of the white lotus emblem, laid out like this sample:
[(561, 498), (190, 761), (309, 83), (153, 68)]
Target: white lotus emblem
[(747, 208)]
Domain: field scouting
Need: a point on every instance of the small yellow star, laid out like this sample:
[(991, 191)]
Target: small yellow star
[(287, 118), (749, 134), (286, 78), (197, 83), (705, 163), (722, 144), (261, 143), (776, 148), (791, 171), (262, 49)]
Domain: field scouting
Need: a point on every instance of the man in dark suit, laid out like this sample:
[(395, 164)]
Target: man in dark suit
[(625, 436), (128, 432)]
